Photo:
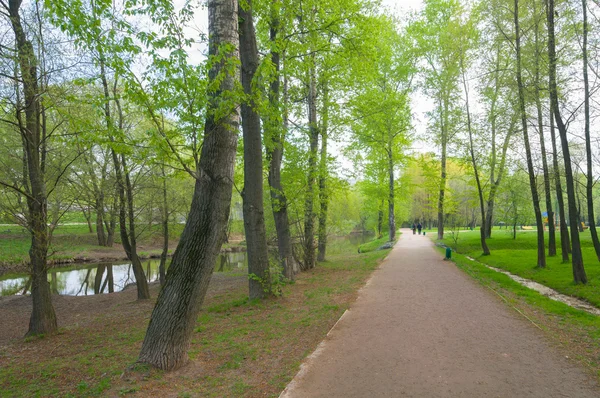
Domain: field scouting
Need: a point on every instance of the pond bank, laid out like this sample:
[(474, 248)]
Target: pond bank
[(103, 255)]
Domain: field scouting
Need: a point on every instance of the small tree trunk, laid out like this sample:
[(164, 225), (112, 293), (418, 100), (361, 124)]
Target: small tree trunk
[(391, 211), (440, 217), (165, 231), (541, 258), (482, 229), (579, 275), (174, 316), (588, 142), (43, 317), (275, 153), (309, 215), (323, 172), (564, 231), (252, 194), (538, 103)]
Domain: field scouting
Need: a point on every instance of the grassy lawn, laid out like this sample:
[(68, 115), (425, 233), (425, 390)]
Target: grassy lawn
[(519, 256), (239, 348), (75, 241), (576, 331)]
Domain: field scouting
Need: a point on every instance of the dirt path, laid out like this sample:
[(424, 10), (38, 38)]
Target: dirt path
[(422, 328)]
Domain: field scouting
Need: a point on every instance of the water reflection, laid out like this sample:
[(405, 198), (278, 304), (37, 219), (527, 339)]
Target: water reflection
[(89, 279)]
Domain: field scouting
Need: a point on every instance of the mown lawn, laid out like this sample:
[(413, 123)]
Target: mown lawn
[(73, 241), (519, 256), (240, 348)]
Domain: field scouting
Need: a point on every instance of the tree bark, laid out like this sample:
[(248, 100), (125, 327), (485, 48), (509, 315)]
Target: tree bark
[(391, 199), (313, 133), (252, 194), (165, 231), (538, 103), (174, 316), (276, 132), (444, 131), (323, 173), (565, 242), (482, 229), (588, 142), (541, 257), (43, 317), (579, 275)]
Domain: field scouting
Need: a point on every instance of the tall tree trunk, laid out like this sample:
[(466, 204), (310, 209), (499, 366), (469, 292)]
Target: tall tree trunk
[(565, 242), (541, 257), (165, 230), (252, 194), (43, 317), (309, 214), (540, 120), (174, 316), (323, 173), (588, 142), (579, 275), (482, 229), (380, 221), (276, 132), (391, 199), (440, 218)]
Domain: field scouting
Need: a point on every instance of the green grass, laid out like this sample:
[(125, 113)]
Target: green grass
[(519, 256), (70, 241), (375, 244)]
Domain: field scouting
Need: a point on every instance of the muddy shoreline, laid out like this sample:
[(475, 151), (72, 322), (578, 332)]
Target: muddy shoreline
[(22, 268)]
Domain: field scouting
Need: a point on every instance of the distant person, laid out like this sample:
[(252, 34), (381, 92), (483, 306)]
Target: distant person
[(419, 227), (414, 228)]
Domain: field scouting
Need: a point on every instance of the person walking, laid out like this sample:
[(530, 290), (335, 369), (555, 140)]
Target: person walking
[(414, 228), (419, 227)]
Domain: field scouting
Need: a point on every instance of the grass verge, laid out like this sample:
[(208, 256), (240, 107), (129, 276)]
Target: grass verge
[(376, 243), (239, 348), (519, 256)]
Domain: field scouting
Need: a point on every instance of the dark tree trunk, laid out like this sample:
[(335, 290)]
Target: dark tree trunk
[(309, 214), (111, 223), (380, 220), (541, 257), (277, 132), (391, 211), (588, 142), (110, 278), (565, 242), (98, 278), (165, 230), (43, 317), (252, 194), (538, 103), (440, 217), (323, 173), (579, 275), (174, 316), (482, 229)]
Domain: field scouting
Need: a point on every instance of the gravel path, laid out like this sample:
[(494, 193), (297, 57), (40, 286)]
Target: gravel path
[(422, 328)]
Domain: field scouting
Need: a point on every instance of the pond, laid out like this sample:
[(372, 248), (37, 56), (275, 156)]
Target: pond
[(88, 279)]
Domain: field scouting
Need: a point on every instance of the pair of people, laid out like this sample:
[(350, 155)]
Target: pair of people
[(415, 227)]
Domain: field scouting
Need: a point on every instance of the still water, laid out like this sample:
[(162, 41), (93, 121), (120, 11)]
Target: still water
[(88, 279)]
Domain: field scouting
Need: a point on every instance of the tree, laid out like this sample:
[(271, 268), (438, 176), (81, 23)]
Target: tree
[(579, 275), (171, 324), (252, 195), (541, 253), (29, 111)]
